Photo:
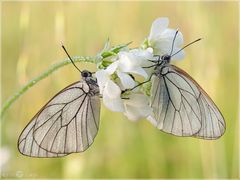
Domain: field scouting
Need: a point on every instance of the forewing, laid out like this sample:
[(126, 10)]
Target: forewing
[(175, 106), (212, 121), (68, 123)]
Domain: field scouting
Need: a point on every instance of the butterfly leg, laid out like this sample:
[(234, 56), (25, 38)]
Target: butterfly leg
[(138, 85)]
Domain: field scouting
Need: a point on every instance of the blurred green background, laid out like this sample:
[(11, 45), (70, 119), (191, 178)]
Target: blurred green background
[(32, 33)]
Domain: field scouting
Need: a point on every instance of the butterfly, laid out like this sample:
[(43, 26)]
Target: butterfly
[(180, 106), (67, 124)]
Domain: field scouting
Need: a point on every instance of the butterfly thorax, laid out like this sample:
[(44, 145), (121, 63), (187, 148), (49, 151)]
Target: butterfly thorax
[(162, 63), (92, 87)]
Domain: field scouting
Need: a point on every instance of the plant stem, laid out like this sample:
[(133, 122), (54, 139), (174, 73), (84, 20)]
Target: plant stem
[(46, 73)]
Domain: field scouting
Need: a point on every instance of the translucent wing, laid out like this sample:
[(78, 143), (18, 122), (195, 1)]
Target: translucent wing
[(212, 120), (181, 107), (68, 123)]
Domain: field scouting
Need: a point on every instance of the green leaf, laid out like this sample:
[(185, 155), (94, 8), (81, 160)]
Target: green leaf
[(106, 63), (107, 54), (116, 49)]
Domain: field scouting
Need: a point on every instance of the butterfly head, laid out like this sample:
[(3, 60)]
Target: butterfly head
[(165, 59), (162, 60), (86, 74)]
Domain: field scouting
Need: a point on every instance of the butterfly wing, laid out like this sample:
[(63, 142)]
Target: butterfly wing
[(212, 120), (68, 123), (180, 106)]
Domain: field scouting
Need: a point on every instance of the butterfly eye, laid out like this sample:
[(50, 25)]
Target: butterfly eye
[(86, 74), (166, 57)]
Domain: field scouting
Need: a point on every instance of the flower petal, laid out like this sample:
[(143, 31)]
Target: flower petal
[(142, 57), (158, 26), (170, 33), (140, 71), (179, 56), (115, 105), (126, 61), (137, 107), (112, 89), (134, 60), (164, 46), (111, 97), (126, 80), (102, 79), (161, 39), (112, 67)]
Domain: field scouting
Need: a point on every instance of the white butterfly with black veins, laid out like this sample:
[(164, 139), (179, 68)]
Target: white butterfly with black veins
[(67, 124), (180, 106)]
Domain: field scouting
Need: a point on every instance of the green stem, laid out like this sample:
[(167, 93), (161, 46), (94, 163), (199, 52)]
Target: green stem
[(49, 71)]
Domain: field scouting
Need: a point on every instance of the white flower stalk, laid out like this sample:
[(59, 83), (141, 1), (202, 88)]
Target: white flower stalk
[(116, 78), (161, 39), (110, 90), (135, 106)]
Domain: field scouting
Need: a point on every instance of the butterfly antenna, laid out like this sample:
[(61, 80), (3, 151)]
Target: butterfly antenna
[(174, 41), (70, 58), (186, 46)]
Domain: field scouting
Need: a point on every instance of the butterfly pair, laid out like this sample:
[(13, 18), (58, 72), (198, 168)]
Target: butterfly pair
[(69, 122)]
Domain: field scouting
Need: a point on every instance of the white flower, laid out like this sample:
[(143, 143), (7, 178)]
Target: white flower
[(137, 107), (134, 61), (110, 90), (127, 62), (161, 39), (126, 81), (112, 97), (104, 75), (116, 78)]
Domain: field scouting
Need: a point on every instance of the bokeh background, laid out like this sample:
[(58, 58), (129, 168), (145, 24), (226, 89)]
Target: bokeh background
[(32, 33)]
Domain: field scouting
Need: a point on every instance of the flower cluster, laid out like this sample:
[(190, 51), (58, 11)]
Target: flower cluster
[(119, 68)]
